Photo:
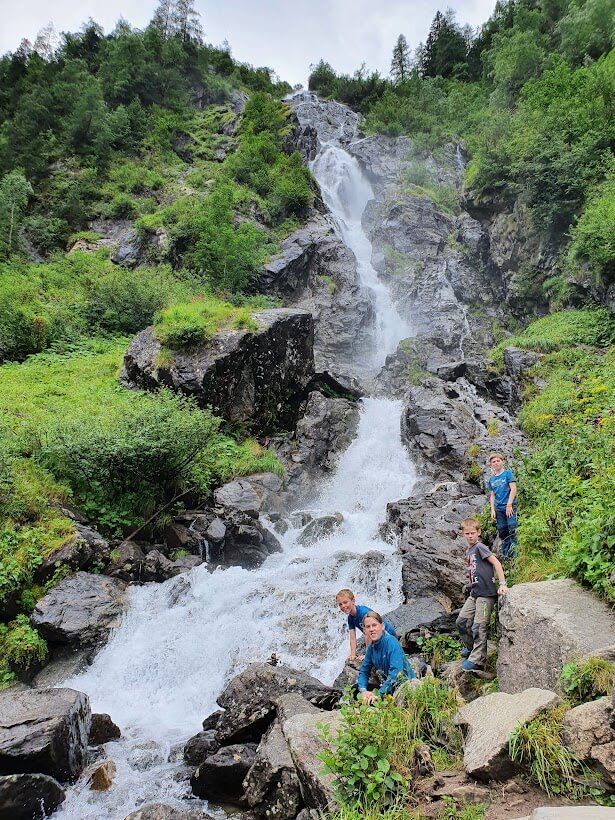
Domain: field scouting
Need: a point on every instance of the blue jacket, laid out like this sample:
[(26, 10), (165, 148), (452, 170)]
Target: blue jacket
[(387, 657)]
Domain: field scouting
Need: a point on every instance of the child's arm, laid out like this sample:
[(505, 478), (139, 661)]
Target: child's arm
[(353, 645), (511, 498), (502, 589), (492, 502)]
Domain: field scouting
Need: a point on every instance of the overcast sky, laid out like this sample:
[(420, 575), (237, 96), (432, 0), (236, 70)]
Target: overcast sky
[(285, 35)]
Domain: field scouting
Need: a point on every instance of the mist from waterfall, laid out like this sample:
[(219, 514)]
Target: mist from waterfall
[(181, 641)]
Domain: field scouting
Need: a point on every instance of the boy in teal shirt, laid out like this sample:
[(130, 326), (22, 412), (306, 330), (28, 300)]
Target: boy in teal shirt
[(503, 499)]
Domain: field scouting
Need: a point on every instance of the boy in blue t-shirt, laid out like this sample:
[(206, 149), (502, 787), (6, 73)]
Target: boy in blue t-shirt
[(346, 601), (503, 499)]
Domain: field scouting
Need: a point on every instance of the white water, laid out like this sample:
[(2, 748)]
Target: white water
[(181, 641), (346, 191)]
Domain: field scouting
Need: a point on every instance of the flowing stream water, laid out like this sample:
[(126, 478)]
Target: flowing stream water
[(181, 641)]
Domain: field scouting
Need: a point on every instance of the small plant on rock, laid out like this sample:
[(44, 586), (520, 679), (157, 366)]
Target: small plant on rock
[(587, 680), (439, 649)]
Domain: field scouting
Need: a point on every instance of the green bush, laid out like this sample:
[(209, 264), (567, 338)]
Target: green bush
[(593, 236), (20, 647)]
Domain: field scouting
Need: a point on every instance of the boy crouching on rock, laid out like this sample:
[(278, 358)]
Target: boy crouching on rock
[(473, 619)]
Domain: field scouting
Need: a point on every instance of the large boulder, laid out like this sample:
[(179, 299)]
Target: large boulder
[(199, 746), (246, 377), (303, 735), (249, 699), (589, 736), (252, 494), (44, 730), (272, 786), (488, 723), (29, 796), (544, 626), (81, 609), (220, 776)]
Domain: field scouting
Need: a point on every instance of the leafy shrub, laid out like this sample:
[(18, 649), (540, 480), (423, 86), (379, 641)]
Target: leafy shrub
[(20, 647), (439, 649), (373, 755), (593, 236), (587, 680)]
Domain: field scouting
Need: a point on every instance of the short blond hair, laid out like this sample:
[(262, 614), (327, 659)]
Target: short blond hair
[(470, 522), (345, 593), (496, 455)]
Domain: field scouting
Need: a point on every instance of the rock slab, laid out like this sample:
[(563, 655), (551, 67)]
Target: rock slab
[(488, 723), (303, 735), (81, 609), (44, 731), (544, 626), (272, 786)]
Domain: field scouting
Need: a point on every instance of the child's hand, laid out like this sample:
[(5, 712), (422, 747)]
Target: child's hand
[(351, 657), (493, 515), (509, 510), (502, 589), (368, 697)]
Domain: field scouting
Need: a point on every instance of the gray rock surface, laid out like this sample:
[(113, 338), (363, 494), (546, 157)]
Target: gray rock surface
[(586, 726), (199, 746), (272, 786), (573, 813), (86, 548), (244, 376), (29, 796), (488, 723), (81, 609), (544, 625), (220, 776), (420, 611), (249, 699), (102, 730), (45, 731), (320, 528), (302, 734), (254, 493)]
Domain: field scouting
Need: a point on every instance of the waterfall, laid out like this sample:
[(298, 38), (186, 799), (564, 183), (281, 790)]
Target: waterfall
[(181, 641)]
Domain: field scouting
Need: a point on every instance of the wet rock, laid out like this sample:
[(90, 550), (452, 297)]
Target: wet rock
[(45, 731), (518, 361), (272, 786), (187, 563), (102, 730), (65, 662), (331, 120), (128, 253), (303, 735), (29, 796), (418, 612), (102, 776), (81, 609), (320, 528), (544, 626), (244, 376), (315, 271), (249, 699), (348, 676), (145, 755), (127, 563), (252, 494), (220, 777), (488, 723), (157, 567), (199, 746), (247, 542), (160, 811), (179, 537), (211, 721)]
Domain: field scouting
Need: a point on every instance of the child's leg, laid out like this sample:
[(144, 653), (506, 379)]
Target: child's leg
[(480, 629), (464, 622), (501, 522), (511, 545)]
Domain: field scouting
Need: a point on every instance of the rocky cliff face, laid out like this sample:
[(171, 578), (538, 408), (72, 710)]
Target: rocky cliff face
[(244, 376)]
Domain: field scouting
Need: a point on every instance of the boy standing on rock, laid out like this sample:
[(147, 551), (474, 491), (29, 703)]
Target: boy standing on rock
[(503, 499), (473, 619)]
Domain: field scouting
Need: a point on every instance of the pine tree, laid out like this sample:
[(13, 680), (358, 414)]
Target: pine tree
[(162, 21), (186, 21), (445, 48), (400, 64)]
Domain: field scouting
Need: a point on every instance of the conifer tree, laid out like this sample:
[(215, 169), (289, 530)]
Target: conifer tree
[(186, 21), (400, 64)]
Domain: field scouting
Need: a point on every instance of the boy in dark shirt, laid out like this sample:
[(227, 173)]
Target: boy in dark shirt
[(473, 619)]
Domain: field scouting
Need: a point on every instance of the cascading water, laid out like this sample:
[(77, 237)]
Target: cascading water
[(346, 191), (182, 640)]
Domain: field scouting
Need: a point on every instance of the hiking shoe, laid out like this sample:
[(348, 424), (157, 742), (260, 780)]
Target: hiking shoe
[(465, 653), (469, 666)]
